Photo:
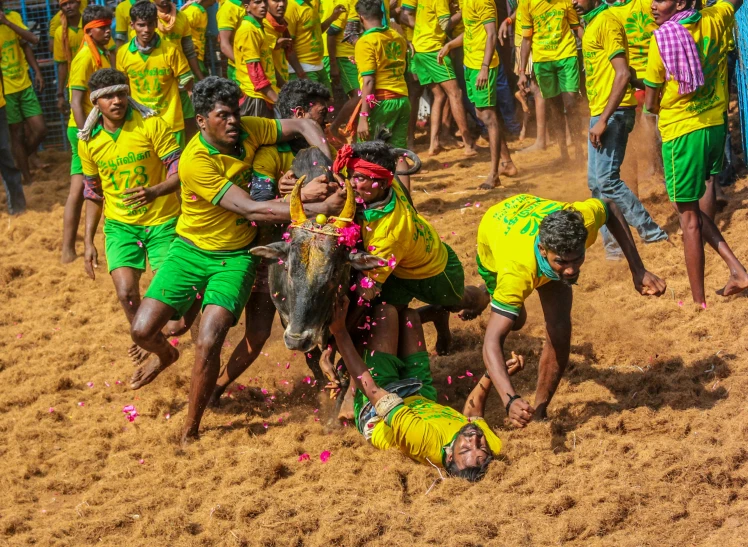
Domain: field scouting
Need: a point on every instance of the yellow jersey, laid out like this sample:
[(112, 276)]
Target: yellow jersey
[(75, 39), (305, 28), (198, 19), (604, 38), (229, 17), (82, 68), (56, 21), (508, 259), (705, 107), (279, 54), (407, 30), (549, 23), (423, 429), (181, 29), (14, 66), (251, 45), (380, 52), (342, 49), (122, 29), (271, 162), (155, 78), (396, 232), (639, 25), (428, 34), (131, 157), (2, 95), (475, 15), (207, 174)]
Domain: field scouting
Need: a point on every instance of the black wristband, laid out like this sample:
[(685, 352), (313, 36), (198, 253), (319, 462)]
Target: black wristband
[(511, 400)]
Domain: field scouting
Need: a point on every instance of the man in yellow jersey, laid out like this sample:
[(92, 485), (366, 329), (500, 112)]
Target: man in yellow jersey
[(417, 264), (198, 18), (255, 69), (548, 28), (89, 58), (130, 173), (430, 23), (527, 243), (612, 117), (481, 70), (57, 21), (685, 86), (25, 120), (157, 69), (217, 227), (306, 28), (228, 19), (276, 30), (123, 31), (8, 171), (395, 403), (339, 50)]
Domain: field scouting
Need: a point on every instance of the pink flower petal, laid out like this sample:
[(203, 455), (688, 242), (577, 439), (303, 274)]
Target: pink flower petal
[(324, 456)]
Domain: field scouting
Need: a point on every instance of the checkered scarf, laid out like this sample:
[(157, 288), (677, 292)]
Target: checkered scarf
[(679, 53)]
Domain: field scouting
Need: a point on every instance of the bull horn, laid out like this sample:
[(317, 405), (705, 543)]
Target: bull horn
[(400, 152), (297, 209), (349, 209)]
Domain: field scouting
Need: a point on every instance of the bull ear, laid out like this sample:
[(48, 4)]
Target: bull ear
[(365, 261), (273, 250)]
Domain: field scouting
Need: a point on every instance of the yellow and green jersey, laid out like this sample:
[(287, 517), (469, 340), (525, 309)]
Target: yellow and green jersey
[(397, 232), (549, 23), (408, 31), (423, 430), (155, 78), (13, 62), (428, 34), (305, 28), (380, 52), (342, 49), (56, 21), (198, 20), (122, 29), (475, 15), (229, 17), (207, 174), (131, 157), (272, 161), (279, 54), (251, 45), (181, 29), (639, 25), (705, 107), (604, 39), (82, 68), (508, 259)]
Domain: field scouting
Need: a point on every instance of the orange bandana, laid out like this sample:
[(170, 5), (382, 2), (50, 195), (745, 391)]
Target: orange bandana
[(88, 41), (166, 20)]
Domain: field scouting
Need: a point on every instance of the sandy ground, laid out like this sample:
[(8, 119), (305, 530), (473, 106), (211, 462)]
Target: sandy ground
[(646, 444)]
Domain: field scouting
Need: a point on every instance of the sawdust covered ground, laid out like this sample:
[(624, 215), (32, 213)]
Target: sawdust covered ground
[(646, 444)]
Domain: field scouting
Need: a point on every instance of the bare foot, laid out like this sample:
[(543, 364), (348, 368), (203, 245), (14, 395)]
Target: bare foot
[(737, 283), (522, 133), (188, 439), (482, 299), (508, 169), (68, 256), (435, 151), (346, 409), (492, 181), (537, 147), (137, 354), (469, 151), (148, 372)]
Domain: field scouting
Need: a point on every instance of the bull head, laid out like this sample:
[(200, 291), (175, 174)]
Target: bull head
[(310, 270)]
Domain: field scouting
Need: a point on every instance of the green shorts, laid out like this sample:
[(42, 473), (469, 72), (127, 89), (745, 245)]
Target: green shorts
[(180, 138), (690, 159), (429, 71), (76, 168), (387, 368), (22, 105), (394, 115), (556, 77), (319, 76), (481, 98), (128, 245), (348, 74), (444, 289), (224, 278), (188, 111)]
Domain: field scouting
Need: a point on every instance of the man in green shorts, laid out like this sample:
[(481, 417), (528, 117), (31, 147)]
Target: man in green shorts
[(210, 259), (306, 30), (416, 263), (25, 121), (430, 23), (548, 28), (691, 99), (395, 403), (129, 160), (481, 69)]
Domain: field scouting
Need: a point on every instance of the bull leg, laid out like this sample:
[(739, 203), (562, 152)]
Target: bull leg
[(313, 362)]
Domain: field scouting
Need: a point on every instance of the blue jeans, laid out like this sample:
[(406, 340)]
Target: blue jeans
[(11, 175), (604, 180)]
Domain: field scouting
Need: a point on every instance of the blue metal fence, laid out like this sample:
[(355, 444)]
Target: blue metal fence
[(741, 70)]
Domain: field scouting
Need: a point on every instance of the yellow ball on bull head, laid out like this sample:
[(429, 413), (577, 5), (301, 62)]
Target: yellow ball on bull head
[(320, 219)]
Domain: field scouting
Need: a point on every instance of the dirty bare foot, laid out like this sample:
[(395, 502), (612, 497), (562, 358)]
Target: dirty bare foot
[(148, 372), (508, 169), (188, 438), (737, 283), (137, 354), (435, 151), (68, 256), (346, 408), (492, 181), (469, 151), (537, 147)]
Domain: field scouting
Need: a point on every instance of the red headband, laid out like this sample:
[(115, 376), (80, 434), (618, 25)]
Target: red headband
[(345, 160)]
